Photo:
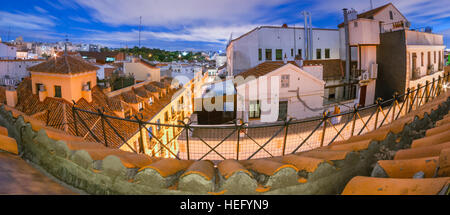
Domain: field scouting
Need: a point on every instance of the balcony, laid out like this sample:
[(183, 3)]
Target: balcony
[(416, 73)]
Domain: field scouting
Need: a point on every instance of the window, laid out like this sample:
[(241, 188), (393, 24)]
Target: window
[(57, 91), (391, 15), (268, 54), (150, 101), (38, 86), (140, 106), (356, 24), (292, 52), (331, 93), (279, 54), (434, 56), (89, 85), (166, 116), (421, 58), (318, 54), (327, 53), (127, 114), (158, 126), (300, 52), (284, 81), (254, 110), (260, 54)]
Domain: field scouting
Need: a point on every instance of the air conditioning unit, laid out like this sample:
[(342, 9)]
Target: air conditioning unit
[(373, 71), (365, 76)]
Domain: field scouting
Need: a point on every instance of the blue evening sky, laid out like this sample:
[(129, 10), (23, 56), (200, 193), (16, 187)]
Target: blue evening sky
[(188, 24)]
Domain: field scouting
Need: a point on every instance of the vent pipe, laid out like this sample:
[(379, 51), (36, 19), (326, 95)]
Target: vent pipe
[(347, 54)]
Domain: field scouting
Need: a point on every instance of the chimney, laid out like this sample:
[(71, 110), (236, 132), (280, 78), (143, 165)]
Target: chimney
[(299, 61), (347, 50), (42, 93), (107, 88), (87, 93), (11, 96)]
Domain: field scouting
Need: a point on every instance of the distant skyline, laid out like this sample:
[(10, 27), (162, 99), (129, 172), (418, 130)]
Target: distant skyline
[(188, 24)]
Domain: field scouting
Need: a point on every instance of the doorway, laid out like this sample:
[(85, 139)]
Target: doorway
[(282, 110), (362, 96)]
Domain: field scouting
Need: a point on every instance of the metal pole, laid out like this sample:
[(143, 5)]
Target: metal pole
[(237, 143), (354, 120), (394, 102), (324, 128), (378, 111), (285, 136), (187, 140), (103, 126), (74, 119)]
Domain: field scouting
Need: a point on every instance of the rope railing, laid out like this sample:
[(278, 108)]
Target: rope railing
[(244, 141)]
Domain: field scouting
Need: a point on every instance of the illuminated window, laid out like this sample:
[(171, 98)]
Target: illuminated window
[(140, 106), (150, 101)]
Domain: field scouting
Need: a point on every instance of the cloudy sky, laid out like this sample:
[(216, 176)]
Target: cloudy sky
[(188, 24)]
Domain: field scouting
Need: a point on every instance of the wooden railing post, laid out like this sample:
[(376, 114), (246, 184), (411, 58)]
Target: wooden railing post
[(354, 119), (325, 117)]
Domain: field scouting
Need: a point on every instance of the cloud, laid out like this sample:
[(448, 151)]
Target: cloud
[(25, 21), (79, 19), (175, 13), (217, 34), (40, 9)]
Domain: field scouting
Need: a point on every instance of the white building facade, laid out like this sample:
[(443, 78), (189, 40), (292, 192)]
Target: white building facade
[(271, 43)]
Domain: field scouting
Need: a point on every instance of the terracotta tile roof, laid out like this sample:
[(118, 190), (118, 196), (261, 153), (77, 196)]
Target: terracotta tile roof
[(263, 68), (147, 64), (63, 65)]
